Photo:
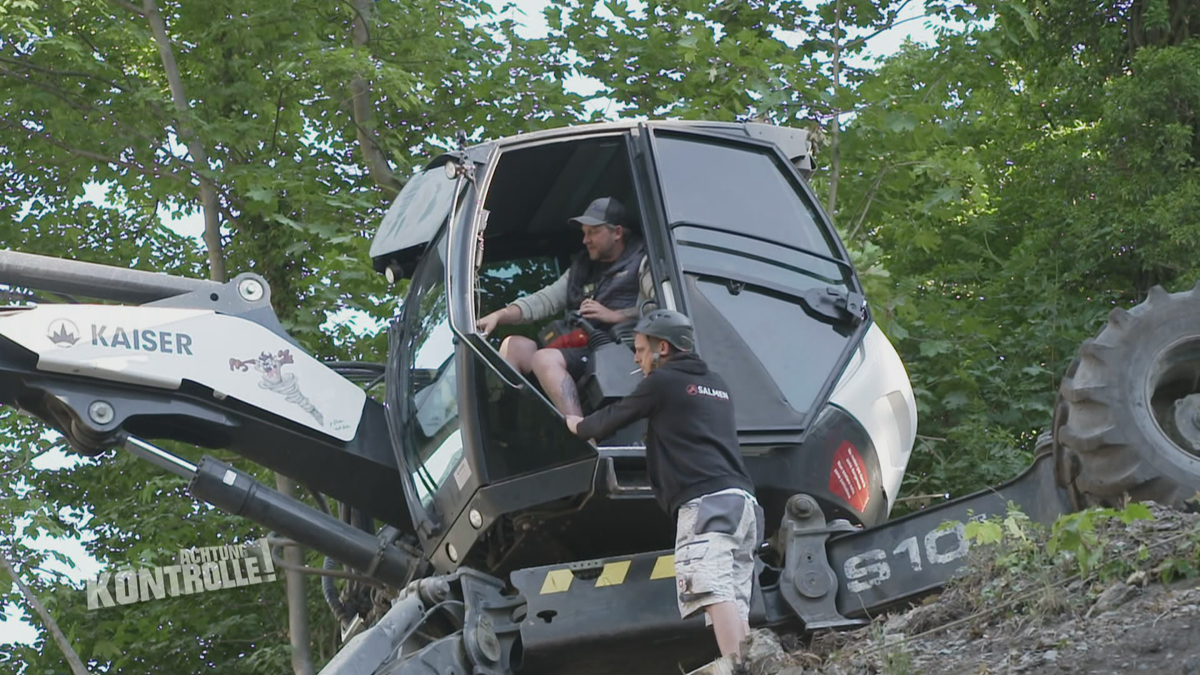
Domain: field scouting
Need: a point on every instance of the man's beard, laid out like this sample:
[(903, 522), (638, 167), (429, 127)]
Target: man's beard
[(605, 254)]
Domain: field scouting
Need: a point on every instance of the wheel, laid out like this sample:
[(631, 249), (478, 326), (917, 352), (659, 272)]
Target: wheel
[(1066, 463), (1128, 420)]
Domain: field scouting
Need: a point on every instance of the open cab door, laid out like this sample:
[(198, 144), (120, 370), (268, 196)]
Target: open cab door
[(478, 445)]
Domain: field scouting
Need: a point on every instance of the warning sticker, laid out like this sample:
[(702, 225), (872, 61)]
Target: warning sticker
[(462, 473), (848, 478)]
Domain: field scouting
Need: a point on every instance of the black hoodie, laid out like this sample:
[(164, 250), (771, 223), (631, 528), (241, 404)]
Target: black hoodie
[(691, 443)]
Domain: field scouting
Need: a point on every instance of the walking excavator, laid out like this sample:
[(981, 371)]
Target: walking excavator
[(497, 542)]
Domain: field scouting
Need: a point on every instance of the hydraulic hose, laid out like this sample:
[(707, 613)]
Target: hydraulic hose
[(329, 590)]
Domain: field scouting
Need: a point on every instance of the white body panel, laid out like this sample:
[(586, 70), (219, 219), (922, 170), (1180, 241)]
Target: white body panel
[(161, 347), (875, 390)]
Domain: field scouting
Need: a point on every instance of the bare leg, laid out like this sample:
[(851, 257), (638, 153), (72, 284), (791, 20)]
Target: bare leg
[(551, 370), (519, 350), (729, 627)]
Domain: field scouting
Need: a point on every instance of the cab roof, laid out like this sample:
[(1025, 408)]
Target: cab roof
[(401, 237), (793, 142)]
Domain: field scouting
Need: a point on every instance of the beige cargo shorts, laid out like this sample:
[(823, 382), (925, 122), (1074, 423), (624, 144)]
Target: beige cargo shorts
[(715, 538)]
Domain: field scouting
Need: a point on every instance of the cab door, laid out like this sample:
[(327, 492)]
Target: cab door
[(462, 489), (756, 264)]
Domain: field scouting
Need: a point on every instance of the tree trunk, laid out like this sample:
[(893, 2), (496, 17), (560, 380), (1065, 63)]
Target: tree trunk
[(297, 599), (77, 667), (835, 159), (362, 107), (208, 192)]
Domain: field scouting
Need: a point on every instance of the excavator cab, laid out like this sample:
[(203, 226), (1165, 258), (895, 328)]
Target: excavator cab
[(735, 239)]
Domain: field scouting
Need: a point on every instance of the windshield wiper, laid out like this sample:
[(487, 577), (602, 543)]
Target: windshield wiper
[(747, 235), (836, 304)]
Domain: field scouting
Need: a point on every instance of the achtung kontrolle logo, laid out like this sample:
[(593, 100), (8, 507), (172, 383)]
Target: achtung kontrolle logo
[(200, 569)]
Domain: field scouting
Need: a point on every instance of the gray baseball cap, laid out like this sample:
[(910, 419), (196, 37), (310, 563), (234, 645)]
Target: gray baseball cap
[(602, 211)]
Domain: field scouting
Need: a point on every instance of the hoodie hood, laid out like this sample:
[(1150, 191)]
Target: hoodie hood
[(686, 362)]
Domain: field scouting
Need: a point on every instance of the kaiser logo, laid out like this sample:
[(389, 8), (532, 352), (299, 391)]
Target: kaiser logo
[(63, 333)]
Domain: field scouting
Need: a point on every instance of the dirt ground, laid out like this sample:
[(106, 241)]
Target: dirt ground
[(1156, 631), (1004, 616)]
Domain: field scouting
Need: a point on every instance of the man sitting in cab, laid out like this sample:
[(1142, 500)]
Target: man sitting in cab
[(606, 283)]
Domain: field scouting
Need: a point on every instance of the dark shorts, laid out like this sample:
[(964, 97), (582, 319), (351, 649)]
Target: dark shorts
[(577, 360)]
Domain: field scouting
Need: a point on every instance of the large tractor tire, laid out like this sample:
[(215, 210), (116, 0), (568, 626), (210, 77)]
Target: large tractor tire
[(1127, 424)]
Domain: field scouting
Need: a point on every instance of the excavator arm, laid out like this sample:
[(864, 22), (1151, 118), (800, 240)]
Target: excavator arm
[(207, 364)]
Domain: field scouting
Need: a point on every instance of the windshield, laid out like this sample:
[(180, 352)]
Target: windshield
[(738, 188), (415, 216)]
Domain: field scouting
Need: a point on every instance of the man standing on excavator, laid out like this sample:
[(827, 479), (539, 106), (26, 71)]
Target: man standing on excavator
[(607, 283), (695, 467)]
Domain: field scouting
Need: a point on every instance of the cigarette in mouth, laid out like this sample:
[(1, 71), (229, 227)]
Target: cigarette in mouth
[(635, 371)]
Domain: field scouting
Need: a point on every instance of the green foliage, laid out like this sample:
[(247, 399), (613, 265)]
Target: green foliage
[(1015, 192), (1075, 534), (1075, 541), (1012, 541), (720, 59)]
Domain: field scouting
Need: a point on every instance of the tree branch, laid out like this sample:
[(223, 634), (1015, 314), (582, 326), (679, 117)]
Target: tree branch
[(208, 193), (891, 23), (130, 6), (297, 601), (61, 73), (278, 114), (870, 197), (88, 154), (835, 164), (81, 105), (362, 109), (73, 660), (858, 41)]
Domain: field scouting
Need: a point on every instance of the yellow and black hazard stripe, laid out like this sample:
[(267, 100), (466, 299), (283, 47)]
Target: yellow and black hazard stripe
[(611, 573)]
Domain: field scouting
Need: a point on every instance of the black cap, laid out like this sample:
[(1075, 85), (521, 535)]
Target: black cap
[(602, 211)]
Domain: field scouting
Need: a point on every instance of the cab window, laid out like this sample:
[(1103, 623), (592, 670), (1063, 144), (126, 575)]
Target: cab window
[(699, 176), (433, 391)]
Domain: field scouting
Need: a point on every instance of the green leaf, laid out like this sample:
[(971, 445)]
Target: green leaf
[(900, 122), (261, 195), (931, 348), (983, 532), (553, 17), (1135, 511), (955, 400)]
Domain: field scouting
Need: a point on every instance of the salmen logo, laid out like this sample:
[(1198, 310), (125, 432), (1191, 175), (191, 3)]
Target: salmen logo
[(63, 333), (701, 390), (142, 340)]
